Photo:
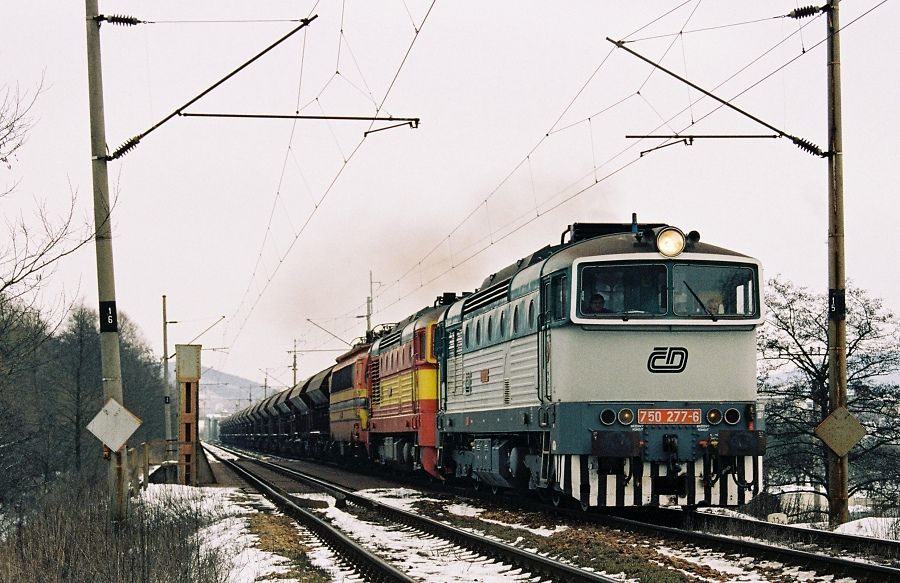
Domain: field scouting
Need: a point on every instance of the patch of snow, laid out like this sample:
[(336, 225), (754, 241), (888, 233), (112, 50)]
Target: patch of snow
[(229, 509), (464, 510), (318, 496), (422, 556), (735, 569), (220, 453), (402, 498), (882, 528), (542, 531)]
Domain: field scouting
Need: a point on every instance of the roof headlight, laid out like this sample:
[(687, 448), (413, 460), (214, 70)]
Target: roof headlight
[(670, 242)]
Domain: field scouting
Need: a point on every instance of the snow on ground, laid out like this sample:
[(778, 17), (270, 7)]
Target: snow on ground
[(883, 528), (402, 498), (421, 556), (746, 568), (886, 528), (471, 511), (219, 452), (735, 569), (424, 557), (229, 510)]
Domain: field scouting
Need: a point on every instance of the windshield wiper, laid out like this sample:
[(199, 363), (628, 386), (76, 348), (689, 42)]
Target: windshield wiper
[(699, 301)]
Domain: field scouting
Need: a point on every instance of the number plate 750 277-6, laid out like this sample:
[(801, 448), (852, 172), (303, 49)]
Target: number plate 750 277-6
[(669, 416)]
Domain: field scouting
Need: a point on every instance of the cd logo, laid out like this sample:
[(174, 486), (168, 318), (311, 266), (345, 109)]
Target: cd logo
[(667, 359)]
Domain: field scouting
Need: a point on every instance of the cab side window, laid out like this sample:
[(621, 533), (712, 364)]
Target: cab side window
[(559, 297)]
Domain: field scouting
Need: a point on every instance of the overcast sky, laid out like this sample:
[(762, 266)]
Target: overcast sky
[(524, 109)]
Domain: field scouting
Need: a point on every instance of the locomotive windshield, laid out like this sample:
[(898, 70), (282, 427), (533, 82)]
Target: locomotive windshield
[(623, 289), (714, 290), (654, 290)]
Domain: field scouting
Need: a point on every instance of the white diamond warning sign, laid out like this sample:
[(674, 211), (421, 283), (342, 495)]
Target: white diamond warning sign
[(840, 431), (114, 424)]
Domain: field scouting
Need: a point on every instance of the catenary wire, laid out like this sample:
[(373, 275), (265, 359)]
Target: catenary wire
[(458, 263), (331, 185), (565, 110)]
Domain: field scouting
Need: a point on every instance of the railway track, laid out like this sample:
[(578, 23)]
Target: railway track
[(824, 552), (530, 565), (883, 551), (366, 564)]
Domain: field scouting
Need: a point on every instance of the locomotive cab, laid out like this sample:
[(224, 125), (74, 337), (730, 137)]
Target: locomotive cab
[(618, 368), (665, 372)]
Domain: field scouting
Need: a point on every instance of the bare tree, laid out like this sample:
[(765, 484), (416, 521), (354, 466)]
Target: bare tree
[(33, 247), (793, 347), (14, 121), (77, 386), (142, 382), (22, 326), (35, 244)]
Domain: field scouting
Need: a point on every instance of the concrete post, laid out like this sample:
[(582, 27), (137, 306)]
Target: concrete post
[(110, 363)]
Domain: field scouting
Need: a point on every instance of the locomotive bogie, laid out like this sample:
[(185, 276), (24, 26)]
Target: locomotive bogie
[(499, 462)]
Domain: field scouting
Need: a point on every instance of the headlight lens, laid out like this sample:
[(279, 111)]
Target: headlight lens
[(732, 416), (607, 417), (626, 416), (714, 416), (670, 242)]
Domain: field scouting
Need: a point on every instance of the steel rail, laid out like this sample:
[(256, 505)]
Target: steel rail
[(866, 546), (858, 569), (500, 551), (862, 571), (367, 563)]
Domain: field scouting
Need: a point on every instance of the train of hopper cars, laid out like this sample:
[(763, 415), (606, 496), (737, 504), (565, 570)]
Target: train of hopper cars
[(616, 368)]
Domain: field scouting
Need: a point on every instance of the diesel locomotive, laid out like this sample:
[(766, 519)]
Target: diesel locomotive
[(617, 368)]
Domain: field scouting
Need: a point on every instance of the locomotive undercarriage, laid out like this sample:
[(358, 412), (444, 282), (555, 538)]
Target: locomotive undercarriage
[(399, 450), (522, 461)]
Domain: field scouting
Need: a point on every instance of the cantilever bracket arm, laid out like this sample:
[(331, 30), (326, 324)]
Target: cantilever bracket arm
[(133, 142), (803, 144), (686, 141), (412, 122)]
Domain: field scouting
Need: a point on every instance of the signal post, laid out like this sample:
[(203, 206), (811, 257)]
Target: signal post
[(187, 373)]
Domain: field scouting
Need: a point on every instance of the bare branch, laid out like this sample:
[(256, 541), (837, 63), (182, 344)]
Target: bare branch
[(15, 122)]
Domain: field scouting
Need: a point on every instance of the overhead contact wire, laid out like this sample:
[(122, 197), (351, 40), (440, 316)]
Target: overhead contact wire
[(706, 29), (340, 171), (458, 263), (530, 152), (668, 48)]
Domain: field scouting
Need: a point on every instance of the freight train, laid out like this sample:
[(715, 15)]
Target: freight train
[(617, 368)]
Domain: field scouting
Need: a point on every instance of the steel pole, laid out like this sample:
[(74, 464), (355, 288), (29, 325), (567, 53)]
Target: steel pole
[(110, 363), (837, 325), (167, 391), (369, 303), (295, 364)]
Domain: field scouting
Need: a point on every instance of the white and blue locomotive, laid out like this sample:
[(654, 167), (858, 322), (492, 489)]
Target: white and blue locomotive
[(617, 368)]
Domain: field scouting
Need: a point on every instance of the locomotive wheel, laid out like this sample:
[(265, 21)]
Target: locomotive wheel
[(556, 497)]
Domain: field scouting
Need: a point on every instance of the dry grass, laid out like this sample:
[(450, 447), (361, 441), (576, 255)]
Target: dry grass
[(69, 537), (602, 549), (278, 534)]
